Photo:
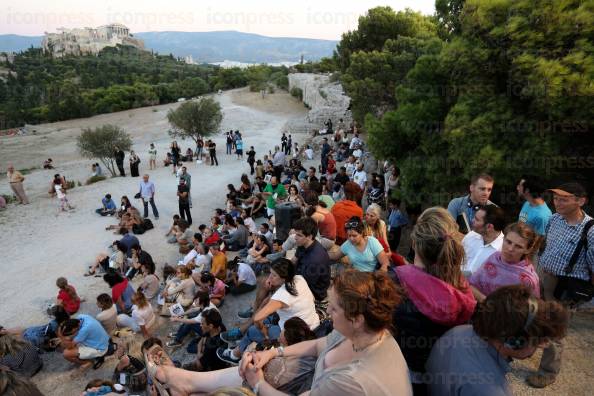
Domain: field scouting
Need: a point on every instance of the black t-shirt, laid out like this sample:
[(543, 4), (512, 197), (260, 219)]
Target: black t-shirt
[(182, 189), (209, 359), (342, 179), (212, 147), (313, 263), (251, 156)]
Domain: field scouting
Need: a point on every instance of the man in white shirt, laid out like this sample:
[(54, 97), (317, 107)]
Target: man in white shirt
[(355, 142), (485, 238), (198, 255), (360, 176)]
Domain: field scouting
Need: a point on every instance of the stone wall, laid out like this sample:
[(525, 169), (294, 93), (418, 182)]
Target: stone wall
[(325, 99)]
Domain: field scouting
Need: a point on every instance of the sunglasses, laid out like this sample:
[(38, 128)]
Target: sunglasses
[(352, 224)]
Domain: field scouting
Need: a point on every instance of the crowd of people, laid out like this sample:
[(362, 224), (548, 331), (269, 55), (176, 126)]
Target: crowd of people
[(335, 308)]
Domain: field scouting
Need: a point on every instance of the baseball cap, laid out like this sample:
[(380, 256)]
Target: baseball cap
[(569, 189)]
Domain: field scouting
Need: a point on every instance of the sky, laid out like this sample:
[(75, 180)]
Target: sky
[(321, 19)]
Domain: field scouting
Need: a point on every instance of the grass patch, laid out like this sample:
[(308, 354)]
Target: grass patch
[(26, 171), (95, 179)]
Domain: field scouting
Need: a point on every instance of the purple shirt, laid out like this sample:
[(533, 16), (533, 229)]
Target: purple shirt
[(496, 273)]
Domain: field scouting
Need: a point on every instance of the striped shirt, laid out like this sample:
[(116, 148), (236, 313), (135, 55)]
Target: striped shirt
[(561, 241)]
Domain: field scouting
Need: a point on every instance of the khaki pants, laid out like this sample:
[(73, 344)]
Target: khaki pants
[(550, 362), (18, 190)]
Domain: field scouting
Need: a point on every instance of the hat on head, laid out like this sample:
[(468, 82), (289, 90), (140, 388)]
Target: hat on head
[(569, 189)]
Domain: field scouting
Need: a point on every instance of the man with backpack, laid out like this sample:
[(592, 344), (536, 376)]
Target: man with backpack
[(567, 263)]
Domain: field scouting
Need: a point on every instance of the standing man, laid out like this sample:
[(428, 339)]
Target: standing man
[(119, 157), (212, 150), (463, 208), (535, 211), (251, 159), (289, 144), (360, 176), (147, 194), (183, 193), (560, 279), (284, 143), (324, 155), (188, 178), (278, 162), (275, 193), (15, 178)]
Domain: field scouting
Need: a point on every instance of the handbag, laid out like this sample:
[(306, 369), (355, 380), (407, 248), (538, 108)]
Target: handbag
[(133, 377), (571, 290)]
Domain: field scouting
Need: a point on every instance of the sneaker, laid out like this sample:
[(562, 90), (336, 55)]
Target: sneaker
[(248, 313), (226, 355), (173, 343), (540, 380), (231, 336)]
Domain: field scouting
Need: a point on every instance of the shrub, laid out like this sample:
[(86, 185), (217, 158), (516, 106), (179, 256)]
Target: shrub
[(297, 92)]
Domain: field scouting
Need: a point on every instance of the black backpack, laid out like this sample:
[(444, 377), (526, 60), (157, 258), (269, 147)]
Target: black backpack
[(148, 224), (138, 229)]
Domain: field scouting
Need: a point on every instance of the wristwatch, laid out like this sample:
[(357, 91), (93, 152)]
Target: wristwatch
[(280, 351)]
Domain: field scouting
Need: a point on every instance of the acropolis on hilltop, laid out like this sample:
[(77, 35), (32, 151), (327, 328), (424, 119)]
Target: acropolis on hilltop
[(85, 41)]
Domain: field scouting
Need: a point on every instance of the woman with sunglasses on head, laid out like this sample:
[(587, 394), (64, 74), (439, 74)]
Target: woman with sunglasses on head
[(365, 252)]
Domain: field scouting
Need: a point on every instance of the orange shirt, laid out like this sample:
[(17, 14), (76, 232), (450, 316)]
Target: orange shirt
[(343, 211), (219, 265)]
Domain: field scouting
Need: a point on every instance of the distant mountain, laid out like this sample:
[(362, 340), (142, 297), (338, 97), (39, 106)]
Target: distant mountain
[(212, 46), (236, 46), (16, 43)]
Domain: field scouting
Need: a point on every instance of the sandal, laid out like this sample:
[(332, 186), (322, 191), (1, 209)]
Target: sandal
[(151, 369)]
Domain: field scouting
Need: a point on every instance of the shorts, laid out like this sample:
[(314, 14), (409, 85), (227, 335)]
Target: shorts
[(88, 353)]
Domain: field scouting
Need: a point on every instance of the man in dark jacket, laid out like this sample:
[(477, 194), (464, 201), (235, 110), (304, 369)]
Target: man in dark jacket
[(119, 157)]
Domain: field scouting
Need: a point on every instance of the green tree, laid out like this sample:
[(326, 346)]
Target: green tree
[(193, 119), (101, 143)]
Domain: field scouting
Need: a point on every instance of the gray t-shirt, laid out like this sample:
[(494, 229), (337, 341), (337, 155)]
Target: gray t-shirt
[(461, 363), (381, 371)]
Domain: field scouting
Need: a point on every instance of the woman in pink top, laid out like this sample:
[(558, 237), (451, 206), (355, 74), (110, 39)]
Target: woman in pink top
[(511, 266)]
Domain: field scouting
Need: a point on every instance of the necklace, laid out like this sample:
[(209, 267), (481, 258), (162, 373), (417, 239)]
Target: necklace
[(367, 346)]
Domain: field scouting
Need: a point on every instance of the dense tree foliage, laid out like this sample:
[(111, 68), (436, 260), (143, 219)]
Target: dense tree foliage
[(39, 88), (503, 86)]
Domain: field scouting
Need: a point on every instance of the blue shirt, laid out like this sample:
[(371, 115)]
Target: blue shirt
[(536, 217), (91, 334), (129, 240), (397, 219), (147, 190), (108, 204), (561, 240), (366, 260)]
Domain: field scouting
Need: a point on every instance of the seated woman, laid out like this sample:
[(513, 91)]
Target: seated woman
[(292, 298), (294, 196), (365, 253), (510, 266), (360, 357), (48, 164), (173, 230), (124, 205), (67, 296), (150, 281), (121, 291), (108, 315), (19, 355), (142, 317), (437, 296), (245, 190), (180, 289), (214, 286), (117, 260)]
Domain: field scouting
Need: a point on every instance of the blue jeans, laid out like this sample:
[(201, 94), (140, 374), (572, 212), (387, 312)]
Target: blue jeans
[(229, 148), (153, 206), (255, 335)]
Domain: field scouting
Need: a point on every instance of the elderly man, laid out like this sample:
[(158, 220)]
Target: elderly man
[(15, 178), (147, 194)]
